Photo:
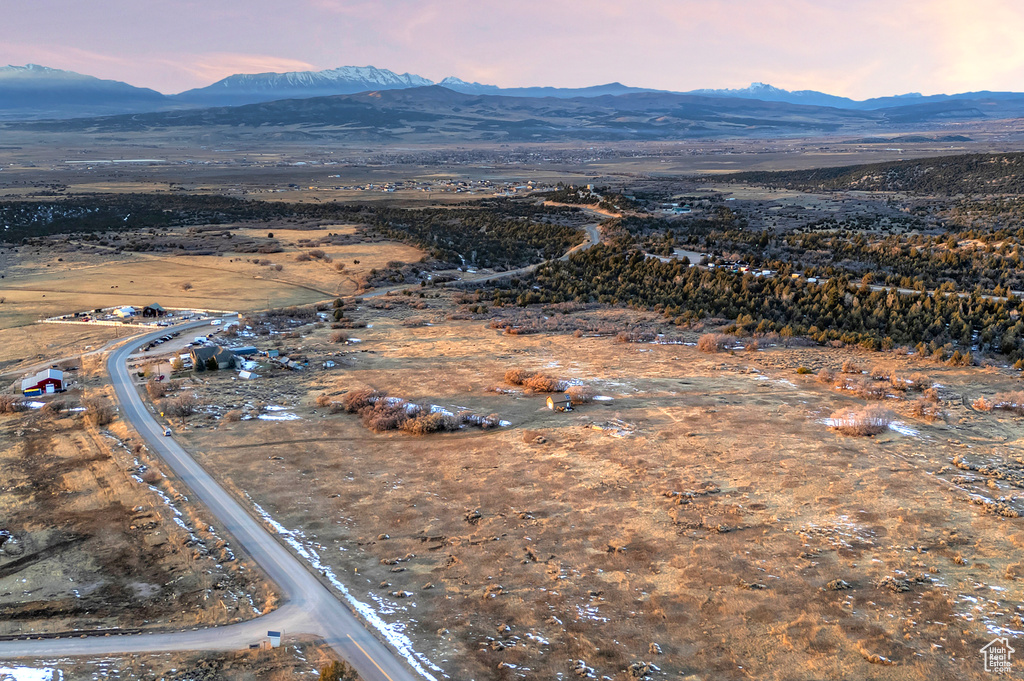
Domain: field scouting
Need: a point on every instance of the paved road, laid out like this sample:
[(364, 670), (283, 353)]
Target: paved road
[(593, 238), (308, 606)]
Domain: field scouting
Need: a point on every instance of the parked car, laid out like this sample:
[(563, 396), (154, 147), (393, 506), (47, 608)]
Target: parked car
[(167, 432)]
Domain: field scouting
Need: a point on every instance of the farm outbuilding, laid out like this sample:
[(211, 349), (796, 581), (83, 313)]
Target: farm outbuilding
[(154, 310), (46, 381), (560, 402), (125, 312)]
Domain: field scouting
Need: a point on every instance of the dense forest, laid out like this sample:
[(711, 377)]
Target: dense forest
[(834, 311), (496, 233), (103, 213), (943, 176), (991, 258)]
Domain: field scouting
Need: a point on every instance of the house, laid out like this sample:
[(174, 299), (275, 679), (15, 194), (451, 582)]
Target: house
[(200, 356), (125, 312), (560, 402), (997, 655), (154, 310), (46, 381)]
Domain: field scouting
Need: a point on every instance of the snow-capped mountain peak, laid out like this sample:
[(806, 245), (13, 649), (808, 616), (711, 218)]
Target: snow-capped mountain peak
[(345, 78)]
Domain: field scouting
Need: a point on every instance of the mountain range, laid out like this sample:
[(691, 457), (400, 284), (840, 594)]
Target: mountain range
[(378, 104), (36, 92), (436, 114)]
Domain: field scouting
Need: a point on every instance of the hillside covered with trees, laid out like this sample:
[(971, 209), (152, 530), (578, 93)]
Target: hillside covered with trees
[(942, 176)]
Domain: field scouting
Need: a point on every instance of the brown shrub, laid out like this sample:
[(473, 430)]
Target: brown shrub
[(542, 383), (303, 257), (152, 477), (752, 346), (382, 416), (981, 404), (919, 381), (323, 400), (413, 322), (155, 389), (53, 408), (931, 394), (425, 424), (713, 342), (517, 376), (860, 422), (339, 337), (9, 404), (826, 376), (98, 412), (1010, 401), (356, 400), (868, 389), (849, 367), (926, 410), (580, 394), (233, 415), (879, 373)]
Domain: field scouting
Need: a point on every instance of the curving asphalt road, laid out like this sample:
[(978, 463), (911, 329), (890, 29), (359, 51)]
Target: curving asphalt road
[(308, 607)]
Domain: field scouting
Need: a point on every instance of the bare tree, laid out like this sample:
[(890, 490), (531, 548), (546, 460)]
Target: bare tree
[(181, 407)]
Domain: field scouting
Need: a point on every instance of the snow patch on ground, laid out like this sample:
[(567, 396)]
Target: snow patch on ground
[(29, 674), (393, 632), (34, 405), (903, 429), (280, 416), (603, 398)]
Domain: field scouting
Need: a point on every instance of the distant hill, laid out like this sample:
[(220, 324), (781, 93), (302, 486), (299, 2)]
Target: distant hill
[(944, 175), (39, 92), (769, 93), (964, 105), (436, 113), (462, 86)]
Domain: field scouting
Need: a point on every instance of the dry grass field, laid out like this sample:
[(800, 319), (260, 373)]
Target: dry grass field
[(25, 346), (94, 536), (705, 521), (45, 282), (301, 659)]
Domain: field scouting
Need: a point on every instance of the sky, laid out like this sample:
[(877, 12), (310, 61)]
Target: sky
[(855, 48)]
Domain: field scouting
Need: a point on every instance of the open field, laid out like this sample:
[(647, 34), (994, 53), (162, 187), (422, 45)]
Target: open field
[(38, 165), (709, 516), (701, 520), (94, 536), (43, 343), (69, 277)]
